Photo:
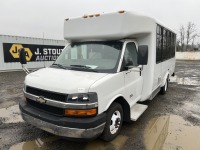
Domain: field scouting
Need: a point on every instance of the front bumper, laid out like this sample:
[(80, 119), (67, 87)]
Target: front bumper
[(81, 128)]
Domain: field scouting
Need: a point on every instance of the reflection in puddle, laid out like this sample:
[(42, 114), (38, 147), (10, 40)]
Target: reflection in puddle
[(171, 132), (156, 133), (46, 143), (166, 132), (34, 145), (116, 144), (186, 80)]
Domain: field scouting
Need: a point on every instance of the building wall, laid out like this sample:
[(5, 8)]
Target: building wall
[(9, 59), (188, 55)]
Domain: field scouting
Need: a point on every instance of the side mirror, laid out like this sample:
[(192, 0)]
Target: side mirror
[(142, 55), (22, 56)]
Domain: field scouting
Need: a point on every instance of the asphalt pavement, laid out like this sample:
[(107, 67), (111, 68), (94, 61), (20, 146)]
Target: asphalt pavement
[(172, 121)]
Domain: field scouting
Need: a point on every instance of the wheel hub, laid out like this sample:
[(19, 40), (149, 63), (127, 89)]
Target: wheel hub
[(115, 122)]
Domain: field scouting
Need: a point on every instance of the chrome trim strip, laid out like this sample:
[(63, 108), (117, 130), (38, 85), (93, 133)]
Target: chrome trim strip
[(61, 104), (64, 131)]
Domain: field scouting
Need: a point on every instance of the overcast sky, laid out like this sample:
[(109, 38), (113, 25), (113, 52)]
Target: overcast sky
[(33, 17)]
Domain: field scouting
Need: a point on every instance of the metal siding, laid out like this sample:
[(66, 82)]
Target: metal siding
[(25, 40)]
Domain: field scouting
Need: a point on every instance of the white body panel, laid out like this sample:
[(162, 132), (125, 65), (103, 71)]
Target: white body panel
[(109, 26), (63, 81), (162, 70), (109, 88), (12, 66)]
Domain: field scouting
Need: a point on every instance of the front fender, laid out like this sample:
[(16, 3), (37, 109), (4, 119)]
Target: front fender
[(112, 100)]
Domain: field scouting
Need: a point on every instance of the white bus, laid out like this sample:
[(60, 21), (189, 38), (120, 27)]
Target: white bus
[(113, 61)]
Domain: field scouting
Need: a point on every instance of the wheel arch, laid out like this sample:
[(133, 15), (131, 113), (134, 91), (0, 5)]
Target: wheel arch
[(165, 78), (125, 106)]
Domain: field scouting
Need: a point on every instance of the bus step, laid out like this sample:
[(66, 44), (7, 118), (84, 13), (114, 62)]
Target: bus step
[(137, 110)]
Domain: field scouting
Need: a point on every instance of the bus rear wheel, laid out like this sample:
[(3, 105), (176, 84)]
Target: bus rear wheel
[(165, 87)]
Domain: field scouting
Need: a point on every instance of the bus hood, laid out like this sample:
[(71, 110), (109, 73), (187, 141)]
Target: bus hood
[(63, 81)]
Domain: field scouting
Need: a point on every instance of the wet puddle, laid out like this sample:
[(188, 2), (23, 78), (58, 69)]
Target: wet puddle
[(47, 143), (37, 144), (168, 132), (116, 144), (186, 80), (171, 133), (10, 114), (7, 104)]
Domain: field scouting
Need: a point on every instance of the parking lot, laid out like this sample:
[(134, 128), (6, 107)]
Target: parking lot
[(172, 121)]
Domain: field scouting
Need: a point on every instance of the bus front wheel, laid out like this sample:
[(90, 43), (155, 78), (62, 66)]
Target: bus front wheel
[(113, 122)]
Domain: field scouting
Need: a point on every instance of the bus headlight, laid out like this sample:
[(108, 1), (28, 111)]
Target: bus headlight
[(85, 99), (82, 97)]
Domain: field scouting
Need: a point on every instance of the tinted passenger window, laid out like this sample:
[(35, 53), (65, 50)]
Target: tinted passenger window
[(164, 53), (165, 44), (159, 44), (130, 55)]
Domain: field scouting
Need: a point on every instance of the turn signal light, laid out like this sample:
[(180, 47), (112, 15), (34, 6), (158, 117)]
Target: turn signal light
[(81, 113)]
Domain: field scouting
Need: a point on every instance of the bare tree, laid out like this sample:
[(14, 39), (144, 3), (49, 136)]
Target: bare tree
[(193, 39), (182, 37), (187, 36), (191, 34), (178, 45), (198, 45)]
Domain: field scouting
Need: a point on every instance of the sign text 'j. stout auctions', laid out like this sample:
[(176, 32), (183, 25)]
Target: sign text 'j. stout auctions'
[(33, 52)]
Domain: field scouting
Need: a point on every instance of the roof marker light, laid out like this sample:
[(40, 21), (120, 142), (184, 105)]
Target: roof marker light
[(85, 16), (66, 19), (121, 11), (91, 16), (97, 15)]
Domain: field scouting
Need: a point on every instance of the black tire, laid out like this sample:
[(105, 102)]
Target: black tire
[(164, 88), (113, 112)]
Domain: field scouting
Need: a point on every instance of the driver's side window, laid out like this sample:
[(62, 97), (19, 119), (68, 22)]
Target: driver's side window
[(130, 55)]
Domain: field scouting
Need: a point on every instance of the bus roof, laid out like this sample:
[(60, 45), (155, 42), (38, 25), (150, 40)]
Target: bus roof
[(109, 26)]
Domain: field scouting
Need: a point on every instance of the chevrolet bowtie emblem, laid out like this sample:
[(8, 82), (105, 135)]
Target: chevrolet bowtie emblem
[(41, 100)]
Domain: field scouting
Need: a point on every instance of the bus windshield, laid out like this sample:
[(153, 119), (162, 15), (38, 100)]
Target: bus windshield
[(102, 56)]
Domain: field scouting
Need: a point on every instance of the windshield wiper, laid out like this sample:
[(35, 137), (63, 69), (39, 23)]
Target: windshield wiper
[(83, 67), (80, 66), (59, 65)]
